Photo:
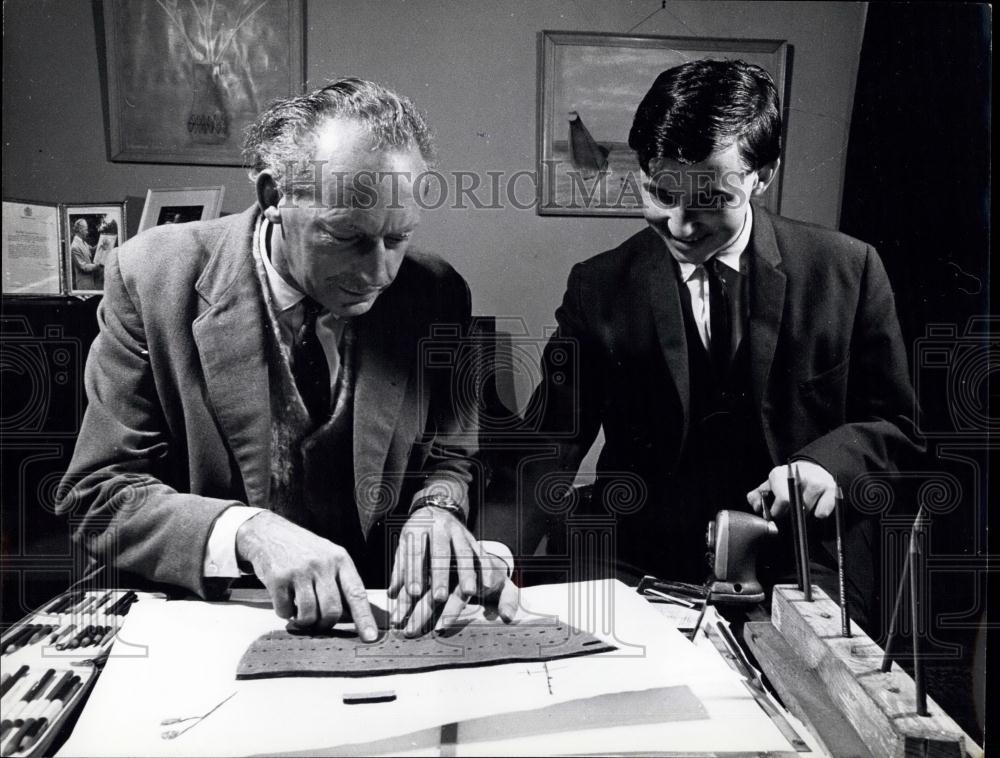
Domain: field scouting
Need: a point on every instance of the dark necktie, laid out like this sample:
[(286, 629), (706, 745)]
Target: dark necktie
[(718, 306), (309, 366), (725, 296)]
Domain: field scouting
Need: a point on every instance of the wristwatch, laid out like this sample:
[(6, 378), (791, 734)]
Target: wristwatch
[(444, 502)]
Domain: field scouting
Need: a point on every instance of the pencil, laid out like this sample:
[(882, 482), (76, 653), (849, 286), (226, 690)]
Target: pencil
[(918, 667), (845, 617), (800, 506), (796, 518), (897, 605)]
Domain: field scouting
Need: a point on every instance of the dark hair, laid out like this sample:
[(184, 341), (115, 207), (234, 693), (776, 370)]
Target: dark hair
[(697, 108), (285, 134)]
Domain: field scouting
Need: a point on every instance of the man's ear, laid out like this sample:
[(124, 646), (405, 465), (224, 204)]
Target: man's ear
[(766, 175), (268, 196)]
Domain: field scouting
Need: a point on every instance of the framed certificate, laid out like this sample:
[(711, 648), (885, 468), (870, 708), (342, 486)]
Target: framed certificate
[(31, 245)]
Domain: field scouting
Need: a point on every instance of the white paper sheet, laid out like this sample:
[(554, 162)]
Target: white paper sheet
[(192, 649)]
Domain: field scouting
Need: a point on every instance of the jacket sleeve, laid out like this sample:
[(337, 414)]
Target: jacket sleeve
[(453, 415), (879, 430), (81, 258), (564, 411), (114, 490)]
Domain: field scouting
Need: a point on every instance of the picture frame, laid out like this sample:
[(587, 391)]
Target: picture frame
[(185, 79), (180, 205), (32, 241), (89, 233), (589, 86)]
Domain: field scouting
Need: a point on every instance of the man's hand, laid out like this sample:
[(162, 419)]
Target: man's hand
[(304, 574), (432, 541), (819, 489)]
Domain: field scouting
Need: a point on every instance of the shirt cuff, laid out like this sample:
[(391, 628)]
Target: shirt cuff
[(501, 551), (220, 552)]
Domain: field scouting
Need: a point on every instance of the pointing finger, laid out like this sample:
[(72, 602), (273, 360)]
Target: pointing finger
[(357, 599)]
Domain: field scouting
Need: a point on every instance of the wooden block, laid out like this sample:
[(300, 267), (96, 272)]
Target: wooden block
[(802, 692), (880, 707)]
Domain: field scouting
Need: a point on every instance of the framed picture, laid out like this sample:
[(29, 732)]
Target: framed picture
[(589, 86), (90, 232), (185, 78), (178, 206), (31, 245)]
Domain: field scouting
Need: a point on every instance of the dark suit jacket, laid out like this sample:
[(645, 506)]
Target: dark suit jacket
[(178, 423), (828, 372)]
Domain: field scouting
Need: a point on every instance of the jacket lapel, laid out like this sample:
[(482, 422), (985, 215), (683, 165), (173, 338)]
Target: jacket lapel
[(230, 340), (767, 301), (383, 358), (669, 320)]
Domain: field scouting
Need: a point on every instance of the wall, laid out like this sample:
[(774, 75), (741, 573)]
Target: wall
[(471, 67)]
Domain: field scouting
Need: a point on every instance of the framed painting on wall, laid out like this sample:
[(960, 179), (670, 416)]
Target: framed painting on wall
[(589, 86), (185, 78)]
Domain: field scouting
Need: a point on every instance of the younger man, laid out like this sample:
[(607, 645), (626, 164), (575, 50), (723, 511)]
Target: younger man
[(723, 341)]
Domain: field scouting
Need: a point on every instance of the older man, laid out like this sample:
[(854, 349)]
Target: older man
[(258, 401), (87, 274)]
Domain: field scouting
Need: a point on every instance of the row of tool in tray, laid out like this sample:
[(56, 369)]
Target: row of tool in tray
[(32, 699), (67, 629), (49, 660)]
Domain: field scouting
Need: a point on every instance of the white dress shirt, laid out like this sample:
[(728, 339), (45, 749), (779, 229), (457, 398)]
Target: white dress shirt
[(696, 278)]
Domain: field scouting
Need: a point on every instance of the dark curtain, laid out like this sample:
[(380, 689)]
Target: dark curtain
[(917, 176), (917, 186)]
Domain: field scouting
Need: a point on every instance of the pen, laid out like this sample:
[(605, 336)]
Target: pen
[(42, 633), (36, 690), (14, 696), (41, 704), (57, 700), (18, 638), (109, 633), (104, 599), (12, 680), (120, 607), (31, 737), (62, 634)]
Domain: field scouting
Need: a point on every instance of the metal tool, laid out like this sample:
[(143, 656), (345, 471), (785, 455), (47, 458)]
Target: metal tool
[(755, 685), (733, 539)]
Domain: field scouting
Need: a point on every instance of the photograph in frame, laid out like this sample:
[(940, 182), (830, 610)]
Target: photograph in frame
[(90, 233), (181, 205), (589, 86), (31, 245), (185, 79)]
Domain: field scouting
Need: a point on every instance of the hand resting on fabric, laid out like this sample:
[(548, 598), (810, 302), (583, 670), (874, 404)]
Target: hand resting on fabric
[(438, 568)]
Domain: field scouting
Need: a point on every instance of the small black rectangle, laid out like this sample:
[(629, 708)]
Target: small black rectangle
[(363, 698)]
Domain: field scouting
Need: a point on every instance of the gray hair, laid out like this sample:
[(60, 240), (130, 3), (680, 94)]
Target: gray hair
[(285, 134)]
